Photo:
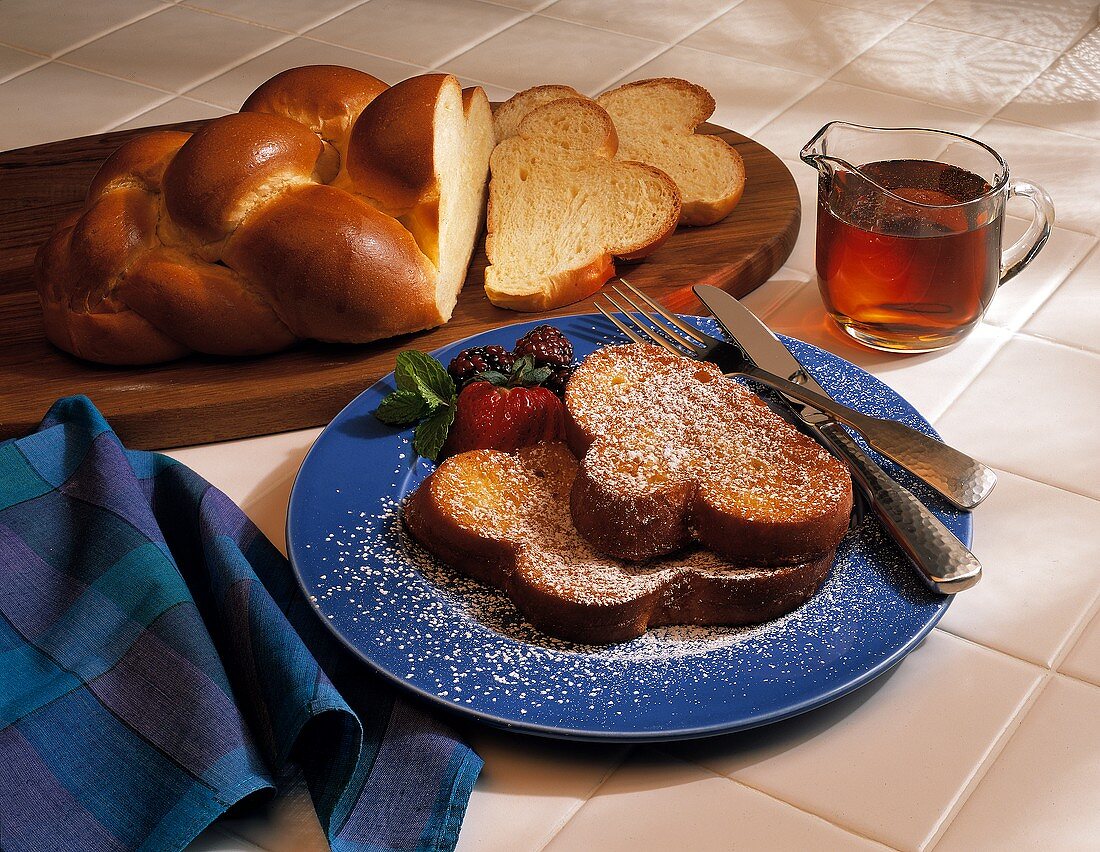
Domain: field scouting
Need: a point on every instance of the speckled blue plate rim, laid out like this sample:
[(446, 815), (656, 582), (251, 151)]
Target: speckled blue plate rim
[(963, 528)]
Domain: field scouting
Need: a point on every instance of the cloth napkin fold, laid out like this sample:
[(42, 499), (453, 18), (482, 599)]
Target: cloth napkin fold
[(159, 663)]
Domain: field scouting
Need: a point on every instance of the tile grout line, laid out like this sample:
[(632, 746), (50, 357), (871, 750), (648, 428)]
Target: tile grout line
[(1077, 679), (457, 53), (722, 11), (987, 116), (737, 781), (186, 4), (545, 13), (1050, 673), (1027, 124), (983, 363), (1026, 336), (992, 754), (98, 35), (289, 36), (666, 46), (1017, 327), (741, 782), (1061, 344), (1030, 478), (40, 63), (13, 46), (1001, 39), (538, 8), (561, 824)]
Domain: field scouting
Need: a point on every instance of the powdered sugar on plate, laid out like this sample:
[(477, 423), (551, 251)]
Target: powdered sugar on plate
[(465, 646)]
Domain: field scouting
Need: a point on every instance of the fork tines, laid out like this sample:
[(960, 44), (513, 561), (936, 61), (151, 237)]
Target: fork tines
[(688, 342)]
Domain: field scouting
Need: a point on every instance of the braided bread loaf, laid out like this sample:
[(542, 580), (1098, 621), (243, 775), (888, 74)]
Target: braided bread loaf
[(331, 207)]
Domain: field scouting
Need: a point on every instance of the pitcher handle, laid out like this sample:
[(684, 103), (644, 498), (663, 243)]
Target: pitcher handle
[(1023, 251)]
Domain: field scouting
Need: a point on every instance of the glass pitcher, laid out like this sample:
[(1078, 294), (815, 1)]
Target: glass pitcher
[(909, 232)]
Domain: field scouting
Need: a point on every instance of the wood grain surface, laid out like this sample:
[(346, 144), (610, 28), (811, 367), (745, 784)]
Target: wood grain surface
[(201, 399)]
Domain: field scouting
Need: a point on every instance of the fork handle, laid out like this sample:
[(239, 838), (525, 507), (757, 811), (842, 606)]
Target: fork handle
[(963, 481), (944, 563)]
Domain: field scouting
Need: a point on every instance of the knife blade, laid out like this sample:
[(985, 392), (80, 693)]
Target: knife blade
[(943, 562)]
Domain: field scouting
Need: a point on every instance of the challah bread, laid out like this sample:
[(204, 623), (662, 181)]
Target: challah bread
[(655, 121), (281, 222), (561, 208), (503, 519), (509, 114), (325, 98)]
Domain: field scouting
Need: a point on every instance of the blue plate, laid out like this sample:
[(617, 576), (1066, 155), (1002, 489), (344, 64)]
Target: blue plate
[(465, 647)]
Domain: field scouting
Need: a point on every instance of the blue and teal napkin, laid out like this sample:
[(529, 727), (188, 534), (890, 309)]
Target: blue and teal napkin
[(158, 664)]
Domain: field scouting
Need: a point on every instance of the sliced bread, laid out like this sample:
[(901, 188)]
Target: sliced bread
[(655, 121), (561, 208), (509, 114)]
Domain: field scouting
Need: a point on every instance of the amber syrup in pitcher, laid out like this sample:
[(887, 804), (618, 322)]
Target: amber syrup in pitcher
[(906, 269)]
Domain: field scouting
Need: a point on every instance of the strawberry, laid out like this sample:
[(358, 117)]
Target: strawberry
[(489, 417)]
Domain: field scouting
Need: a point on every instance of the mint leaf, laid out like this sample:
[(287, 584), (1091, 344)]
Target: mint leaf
[(416, 371), (401, 407), (429, 437)]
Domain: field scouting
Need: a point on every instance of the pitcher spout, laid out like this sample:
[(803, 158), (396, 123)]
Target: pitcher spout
[(825, 150)]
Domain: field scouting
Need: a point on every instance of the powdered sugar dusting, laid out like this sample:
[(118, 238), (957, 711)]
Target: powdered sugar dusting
[(465, 645), (657, 417)]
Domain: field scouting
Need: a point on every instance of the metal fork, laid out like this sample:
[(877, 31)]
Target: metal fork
[(943, 562), (962, 480)]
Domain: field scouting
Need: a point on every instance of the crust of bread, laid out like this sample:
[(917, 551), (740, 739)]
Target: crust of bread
[(507, 117), (374, 279), (141, 162), (391, 159), (325, 98), (232, 165), (503, 520)]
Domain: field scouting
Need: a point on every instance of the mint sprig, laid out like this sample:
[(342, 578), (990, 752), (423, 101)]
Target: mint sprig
[(425, 395)]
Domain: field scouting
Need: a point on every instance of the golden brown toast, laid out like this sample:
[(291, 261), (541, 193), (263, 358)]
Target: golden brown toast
[(504, 519), (672, 452)]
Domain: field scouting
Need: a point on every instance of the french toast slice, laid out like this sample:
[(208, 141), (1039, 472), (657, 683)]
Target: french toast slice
[(504, 519), (672, 452)]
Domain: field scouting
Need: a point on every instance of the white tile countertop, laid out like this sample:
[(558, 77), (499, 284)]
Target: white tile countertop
[(986, 736)]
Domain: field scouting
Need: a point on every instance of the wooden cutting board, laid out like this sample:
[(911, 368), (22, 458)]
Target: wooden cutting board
[(200, 399)]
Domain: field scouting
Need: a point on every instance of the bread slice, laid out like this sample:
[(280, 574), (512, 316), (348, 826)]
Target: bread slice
[(672, 452), (504, 520), (561, 208), (508, 115), (655, 121)]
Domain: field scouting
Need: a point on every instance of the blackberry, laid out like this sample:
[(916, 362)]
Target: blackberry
[(558, 379), (468, 363), (546, 345)]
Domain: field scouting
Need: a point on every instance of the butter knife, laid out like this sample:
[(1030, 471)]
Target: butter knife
[(943, 562)]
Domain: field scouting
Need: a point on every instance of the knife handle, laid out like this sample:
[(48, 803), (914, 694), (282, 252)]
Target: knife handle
[(944, 563), (963, 481)]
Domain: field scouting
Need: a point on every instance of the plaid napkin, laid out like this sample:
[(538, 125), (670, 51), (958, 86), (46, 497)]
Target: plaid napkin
[(158, 663)]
